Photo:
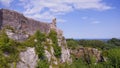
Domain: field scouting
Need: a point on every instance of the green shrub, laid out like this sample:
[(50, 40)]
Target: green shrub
[(72, 44), (3, 61), (53, 37), (8, 51), (43, 64), (93, 43), (79, 63), (40, 37), (114, 42), (114, 57), (57, 49), (3, 38), (29, 42)]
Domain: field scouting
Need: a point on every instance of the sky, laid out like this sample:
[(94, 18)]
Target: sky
[(79, 19)]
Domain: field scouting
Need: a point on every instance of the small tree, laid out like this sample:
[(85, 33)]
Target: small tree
[(57, 49), (40, 37)]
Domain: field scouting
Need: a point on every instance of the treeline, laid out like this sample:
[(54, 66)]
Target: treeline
[(110, 51), (112, 43)]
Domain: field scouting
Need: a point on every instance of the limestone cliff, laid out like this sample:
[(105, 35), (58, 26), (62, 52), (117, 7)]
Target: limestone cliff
[(87, 53), (21, 23), (20, 28), (28, 59)]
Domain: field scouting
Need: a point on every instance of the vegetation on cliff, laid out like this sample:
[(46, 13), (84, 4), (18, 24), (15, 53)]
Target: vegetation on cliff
[(110, 52), (57, 49), (10, 49)]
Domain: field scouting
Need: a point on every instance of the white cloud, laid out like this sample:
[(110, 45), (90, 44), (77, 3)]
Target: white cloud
[(95, 22), (91, 4), (44, 16), (48, 9), (6, 2)]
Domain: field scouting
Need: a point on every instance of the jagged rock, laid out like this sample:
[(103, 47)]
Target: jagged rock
[(21, 24), (82, 51), (50, 56), (65, 57), (28, 59), (16, 36), (53, 24)]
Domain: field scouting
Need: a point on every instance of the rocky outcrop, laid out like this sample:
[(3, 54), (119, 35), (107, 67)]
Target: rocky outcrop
[(28, 59), (21, 23), (87, 53), (49, 50), (16, 36), (50, 56), (65, 57), (19, 28)]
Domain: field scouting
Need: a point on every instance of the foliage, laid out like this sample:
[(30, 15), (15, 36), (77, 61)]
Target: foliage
[(57, 49), (114, 42), (3, 38), (8, 51), (40, 50), (53, 37), (3, 61), (110, 50), (72, 44), (43, 64), (29, 42), (114, 57), (92, 43), (40, 38), (79, 63)]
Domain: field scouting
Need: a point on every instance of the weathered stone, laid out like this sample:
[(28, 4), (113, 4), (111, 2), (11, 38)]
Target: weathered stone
[(24, 27), (16, 36), (82, 51), (20, 22), (28, 59)]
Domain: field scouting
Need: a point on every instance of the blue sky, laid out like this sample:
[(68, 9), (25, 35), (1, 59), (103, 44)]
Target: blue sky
[(77, 18)]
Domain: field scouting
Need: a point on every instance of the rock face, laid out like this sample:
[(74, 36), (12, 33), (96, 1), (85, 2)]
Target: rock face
[(65, 57), (22, 28), (16, 36), (50, 56), (87, 53), (65, 51), (21, 23), (28, 59)]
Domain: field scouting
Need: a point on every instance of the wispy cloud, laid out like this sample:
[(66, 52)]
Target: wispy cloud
[(6, 2), (49, 9), (95, 22)]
